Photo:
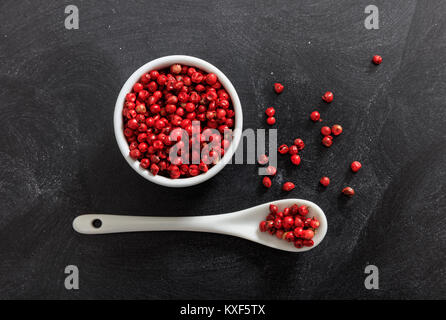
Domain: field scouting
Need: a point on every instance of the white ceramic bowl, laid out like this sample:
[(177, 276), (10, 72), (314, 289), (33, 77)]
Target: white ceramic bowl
[(162, 63)]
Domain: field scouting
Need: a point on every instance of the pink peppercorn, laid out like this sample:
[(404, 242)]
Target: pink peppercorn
[(299, 143), (328, 96), (271, 170), (145, 163), (133, 124), (288, 186), (283, 149), (325, 131), (278, 87), (288, 222), (135, 153), (289, 236), (294, 209), (271, 121), (299, 243), (327, 141), (262, 226), (263, 159), (295, 159), (336, 129), (315, 116), (348, 191), (293, 150), (279, 234), (270, 112), (356, 166), (325, 181), (137, 87), (298, 222), (308, 234), (278, 223), (273, 208), (211, 78), (377, 59), (267, 182), (308, 243), (315, 223), (303, 210)]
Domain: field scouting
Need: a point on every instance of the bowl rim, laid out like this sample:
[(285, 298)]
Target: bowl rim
[(158, 64)]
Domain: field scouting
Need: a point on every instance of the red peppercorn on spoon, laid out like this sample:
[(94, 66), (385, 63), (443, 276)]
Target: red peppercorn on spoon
[(243, 224)]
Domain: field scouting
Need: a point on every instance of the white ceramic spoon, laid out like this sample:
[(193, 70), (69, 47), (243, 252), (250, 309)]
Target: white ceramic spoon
[(243, 224)]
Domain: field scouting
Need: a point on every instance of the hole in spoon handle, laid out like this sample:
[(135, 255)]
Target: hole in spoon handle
[(97, 223)]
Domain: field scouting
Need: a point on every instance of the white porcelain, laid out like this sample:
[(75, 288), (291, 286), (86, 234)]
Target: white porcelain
[(242, 224), (158, 64)]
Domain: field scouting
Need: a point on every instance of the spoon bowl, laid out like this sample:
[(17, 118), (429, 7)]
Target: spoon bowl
[(243, 224)]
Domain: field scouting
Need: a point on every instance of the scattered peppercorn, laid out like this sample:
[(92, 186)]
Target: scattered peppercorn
[(299, 143), (327, 141), (288, 186), (377, 59), (336, 129), (271, 121), (270, 112), (348, 191), (315, 116), (325, 181), (263, 159), (325, 131), (295, 159), (356, 166), (278, 87), (293, 149), (267, 182), (328, 96), (283, 149), (271, 170)]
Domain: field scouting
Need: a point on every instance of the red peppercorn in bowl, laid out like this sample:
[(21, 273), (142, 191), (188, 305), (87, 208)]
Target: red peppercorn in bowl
[(140, 123)]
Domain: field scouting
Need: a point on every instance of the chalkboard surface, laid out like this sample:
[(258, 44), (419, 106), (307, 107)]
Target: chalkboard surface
[(59, 157)]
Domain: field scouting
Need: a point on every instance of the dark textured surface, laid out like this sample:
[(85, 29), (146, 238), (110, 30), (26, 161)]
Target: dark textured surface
[(59, 158)]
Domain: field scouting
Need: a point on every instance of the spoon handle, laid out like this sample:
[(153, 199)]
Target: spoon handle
[(106, 223)]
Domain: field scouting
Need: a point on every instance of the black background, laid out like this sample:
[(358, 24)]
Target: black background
[(59, 157)]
